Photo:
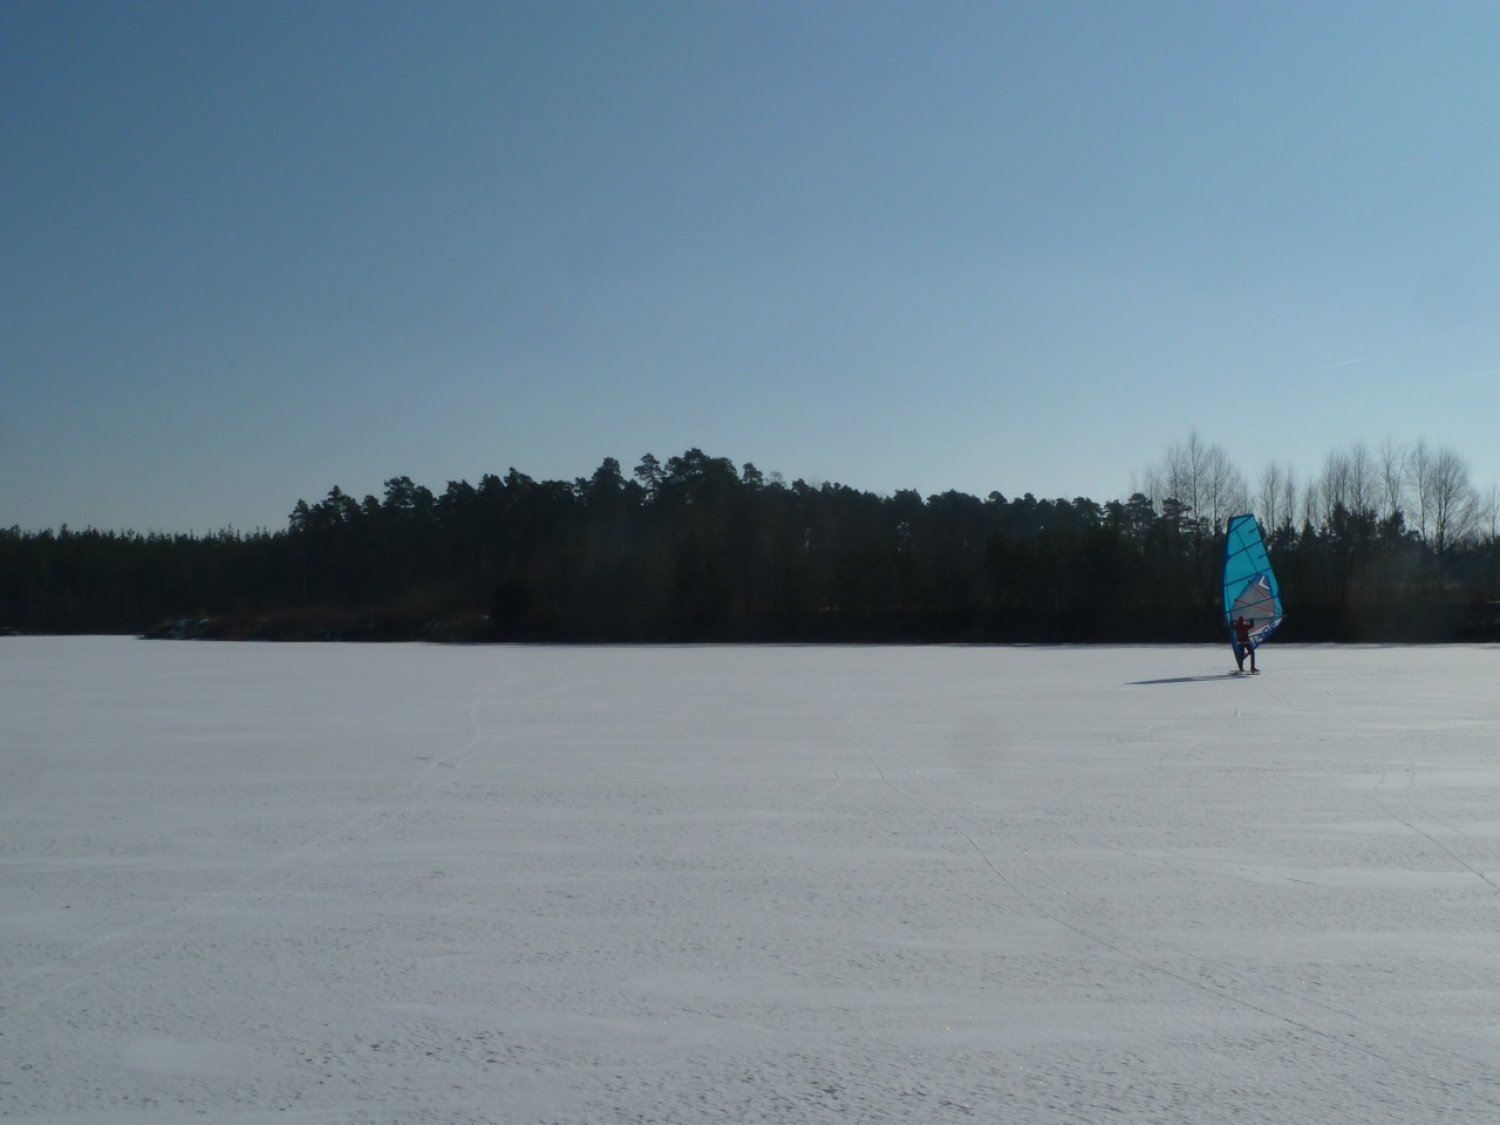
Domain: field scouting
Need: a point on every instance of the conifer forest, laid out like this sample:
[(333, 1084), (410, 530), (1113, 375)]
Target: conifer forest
[(1390, 547)]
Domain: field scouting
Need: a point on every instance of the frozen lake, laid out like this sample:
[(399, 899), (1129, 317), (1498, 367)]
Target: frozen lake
[(554, 886)]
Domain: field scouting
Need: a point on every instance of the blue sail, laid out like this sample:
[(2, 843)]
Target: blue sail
[(1250, 587)]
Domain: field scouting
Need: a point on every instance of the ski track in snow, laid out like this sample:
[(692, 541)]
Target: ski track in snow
[(556, 886), (100, 953)]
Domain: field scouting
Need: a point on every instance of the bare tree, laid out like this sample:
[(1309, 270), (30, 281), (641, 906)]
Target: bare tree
[(1419, 475), (1393, 468), (1453, 501), (1203, 478), (1289, 496), (1487, 515), (1312, 506), (1268, 500), (1350, 479), (1277, 499), (1225, 494), (1182, 473), (1363, 482), (1151, 485), (1333, 485)]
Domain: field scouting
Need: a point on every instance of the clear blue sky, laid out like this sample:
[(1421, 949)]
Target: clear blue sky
[(249, 251)]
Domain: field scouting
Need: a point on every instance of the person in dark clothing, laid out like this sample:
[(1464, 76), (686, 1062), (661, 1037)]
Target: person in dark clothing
[(1242, 645)]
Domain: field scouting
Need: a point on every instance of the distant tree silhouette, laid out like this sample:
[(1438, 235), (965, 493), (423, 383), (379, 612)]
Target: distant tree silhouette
[(695, 550)]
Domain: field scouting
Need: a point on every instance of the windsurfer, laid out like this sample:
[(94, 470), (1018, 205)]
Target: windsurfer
[(1242, 645)]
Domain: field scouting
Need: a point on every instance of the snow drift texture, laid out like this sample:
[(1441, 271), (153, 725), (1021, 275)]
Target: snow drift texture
[(546, 885)]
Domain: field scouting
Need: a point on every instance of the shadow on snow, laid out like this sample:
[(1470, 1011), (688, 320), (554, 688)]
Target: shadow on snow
[(1187, 679)]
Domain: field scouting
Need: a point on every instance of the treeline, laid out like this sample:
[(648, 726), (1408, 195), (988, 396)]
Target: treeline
[(695, 549)]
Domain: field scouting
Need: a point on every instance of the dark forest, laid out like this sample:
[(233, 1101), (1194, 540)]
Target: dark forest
[(695, 549)]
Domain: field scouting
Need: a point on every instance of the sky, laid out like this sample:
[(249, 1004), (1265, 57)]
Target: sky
[(253, 251)]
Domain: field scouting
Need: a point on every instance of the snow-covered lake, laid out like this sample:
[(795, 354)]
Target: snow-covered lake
[(552, 886)]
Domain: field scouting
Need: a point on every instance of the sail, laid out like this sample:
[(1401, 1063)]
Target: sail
[(1250, 588)]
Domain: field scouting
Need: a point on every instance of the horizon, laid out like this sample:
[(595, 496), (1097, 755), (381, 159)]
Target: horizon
[(771, 476)]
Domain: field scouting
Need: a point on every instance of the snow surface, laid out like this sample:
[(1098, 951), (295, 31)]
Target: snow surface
[(336, 883)]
